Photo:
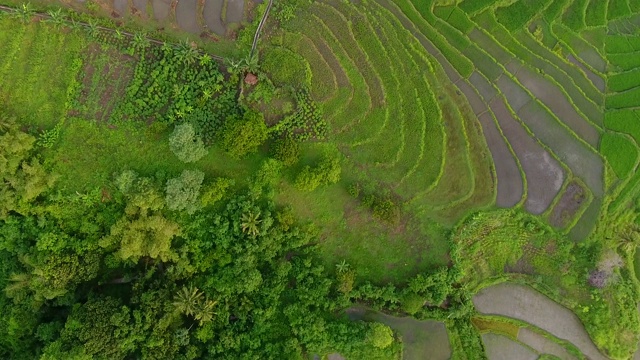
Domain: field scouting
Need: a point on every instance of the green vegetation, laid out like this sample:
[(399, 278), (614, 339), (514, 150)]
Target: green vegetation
[(352, 186), (620, 152)]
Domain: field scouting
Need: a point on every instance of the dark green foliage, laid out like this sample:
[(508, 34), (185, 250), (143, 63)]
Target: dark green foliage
[(286, 150), (241, 136), (169, 84), (574, 17)]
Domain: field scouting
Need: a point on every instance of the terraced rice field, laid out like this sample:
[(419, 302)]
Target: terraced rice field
[(209, 17), (533, 104)]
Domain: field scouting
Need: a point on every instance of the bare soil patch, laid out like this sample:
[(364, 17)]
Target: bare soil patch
[(568, 205), (526, 304), (544, 174), (500, 347)]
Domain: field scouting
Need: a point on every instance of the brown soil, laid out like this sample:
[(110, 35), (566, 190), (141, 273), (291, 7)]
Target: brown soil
[(569, 204)]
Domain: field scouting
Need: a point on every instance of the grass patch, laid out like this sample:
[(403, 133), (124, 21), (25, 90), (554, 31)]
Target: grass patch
[(625, 121), (618, 9), (596, 13), (620, 44), (38, 79), (620, 152), (627, 99), (489, 324), (625, 62), (520, 13), (574, 16), (624, 81)]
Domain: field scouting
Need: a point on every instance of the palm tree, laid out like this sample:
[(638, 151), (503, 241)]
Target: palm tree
[(187, 300), (234, 66), (56, 17), (205, 311), (342, 267), (250, 222)]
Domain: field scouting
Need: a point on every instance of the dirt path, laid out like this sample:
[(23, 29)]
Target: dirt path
[(526, 304)]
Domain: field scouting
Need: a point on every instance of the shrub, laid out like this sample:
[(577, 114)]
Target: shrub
[(287, 151), (412, 302), (215, 191), (239, 137), (380, 335), (186, 145), (183, 192), (325, 173)]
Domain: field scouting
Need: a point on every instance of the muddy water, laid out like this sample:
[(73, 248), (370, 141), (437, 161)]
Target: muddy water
[(161, 9), (212, 19), (235, 10), (187, 15), (120, 6), (140, 5)]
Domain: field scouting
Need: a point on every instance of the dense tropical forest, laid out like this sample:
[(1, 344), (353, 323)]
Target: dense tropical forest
[(319, 179)]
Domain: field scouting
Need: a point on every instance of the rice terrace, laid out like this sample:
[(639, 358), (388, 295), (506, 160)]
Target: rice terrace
[(320, 179)]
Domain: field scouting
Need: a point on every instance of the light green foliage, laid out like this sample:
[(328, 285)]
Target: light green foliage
[(242, 136), (215, 190), (325, 172), (620, 152), (412, 302), (146, 236), (266, 177), (183, 192), (186, 145), (22, 177), (381, 336)]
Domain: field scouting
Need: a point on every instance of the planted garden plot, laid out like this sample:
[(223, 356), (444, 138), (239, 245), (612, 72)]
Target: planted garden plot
[(500, 347), (544, 175), (526, 304)]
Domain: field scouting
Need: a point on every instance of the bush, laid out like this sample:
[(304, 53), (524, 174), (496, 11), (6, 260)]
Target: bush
[(380, 335), (186, 145), (412, 302), (325, 173), (287, 151), (239, 137), (215, 191)]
